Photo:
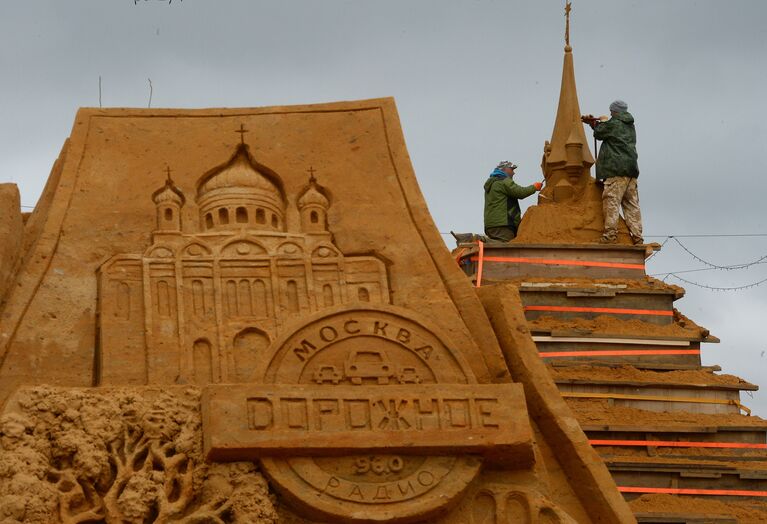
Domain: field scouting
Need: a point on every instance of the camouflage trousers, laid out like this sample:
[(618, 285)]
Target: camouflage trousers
[(500, 233), (621, 190)]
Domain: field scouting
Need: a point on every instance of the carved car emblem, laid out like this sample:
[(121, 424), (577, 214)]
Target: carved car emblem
[(367, 415)]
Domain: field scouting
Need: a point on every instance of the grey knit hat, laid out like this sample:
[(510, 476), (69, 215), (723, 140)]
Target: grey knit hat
[(619, 106), (506, 164)]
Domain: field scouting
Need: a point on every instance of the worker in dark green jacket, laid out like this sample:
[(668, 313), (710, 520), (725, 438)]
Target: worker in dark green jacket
[(618, 170), (502, 195)]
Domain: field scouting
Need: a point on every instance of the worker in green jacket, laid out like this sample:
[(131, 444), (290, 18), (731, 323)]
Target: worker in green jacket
[(502, 195), (618, 170)]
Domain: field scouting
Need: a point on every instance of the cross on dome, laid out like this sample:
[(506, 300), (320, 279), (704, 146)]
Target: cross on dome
[(168, 192), (242, 132)]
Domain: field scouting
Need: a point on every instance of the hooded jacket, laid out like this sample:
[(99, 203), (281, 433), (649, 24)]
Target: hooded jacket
[(618, 153), (502, 196)]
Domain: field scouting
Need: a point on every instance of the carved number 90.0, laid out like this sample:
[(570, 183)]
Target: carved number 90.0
[(378, 465)]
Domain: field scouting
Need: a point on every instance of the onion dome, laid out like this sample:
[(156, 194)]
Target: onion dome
[(313, 197), (169, 193), (241, 194), (239, 172)]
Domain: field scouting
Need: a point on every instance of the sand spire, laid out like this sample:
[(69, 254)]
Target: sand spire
[(568, 156)]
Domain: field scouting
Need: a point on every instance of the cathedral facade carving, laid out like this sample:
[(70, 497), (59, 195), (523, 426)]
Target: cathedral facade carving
[(203, 302)]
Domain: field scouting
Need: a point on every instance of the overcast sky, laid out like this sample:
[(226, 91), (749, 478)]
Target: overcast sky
[(475, 82)]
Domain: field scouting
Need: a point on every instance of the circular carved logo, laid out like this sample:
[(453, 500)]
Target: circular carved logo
[(379, 347)]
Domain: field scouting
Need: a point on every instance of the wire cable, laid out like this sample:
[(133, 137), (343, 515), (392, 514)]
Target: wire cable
[(658, 250), (683, 271), (710, 235)]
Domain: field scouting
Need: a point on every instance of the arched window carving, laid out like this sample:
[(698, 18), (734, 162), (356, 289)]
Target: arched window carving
[(163, 299), (231, 297), (275, 222), (201, 355), (198, 298), (168, 214), (245, 304), (260, 216), (261, 306), (208, 221), (363, 294), (327, 295), (223, 216), (241, 215), (314, 217), (292, 296)]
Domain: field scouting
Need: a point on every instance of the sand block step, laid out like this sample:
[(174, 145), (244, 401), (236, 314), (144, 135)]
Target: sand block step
[(743, 386), (640, 365), (730, 481), (726, 428), (696, 444), (502, 261), (653, 306), (659, 398), (641, 352), (683, 518)]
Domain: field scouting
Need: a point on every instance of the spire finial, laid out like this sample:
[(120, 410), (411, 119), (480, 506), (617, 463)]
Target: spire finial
[(167, 172), (568, 8), (311, 172), (242, 132)]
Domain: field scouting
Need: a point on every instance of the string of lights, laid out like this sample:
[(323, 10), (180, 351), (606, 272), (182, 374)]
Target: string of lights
[(710, 235), (711, 266), (716, 288), (744, 265)]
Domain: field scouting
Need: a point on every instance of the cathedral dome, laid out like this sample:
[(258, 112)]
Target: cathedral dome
[(312, 197), (313, 207), (239, 172), (241, 194), (169, 193)]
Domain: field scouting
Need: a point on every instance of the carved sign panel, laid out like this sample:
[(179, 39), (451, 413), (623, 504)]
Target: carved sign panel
[(252, 421), (367, 415)]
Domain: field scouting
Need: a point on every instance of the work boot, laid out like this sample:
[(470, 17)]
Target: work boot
[(637, 240), (606, 239)]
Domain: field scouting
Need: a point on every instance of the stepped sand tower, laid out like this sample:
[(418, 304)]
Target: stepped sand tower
[(674, 435)]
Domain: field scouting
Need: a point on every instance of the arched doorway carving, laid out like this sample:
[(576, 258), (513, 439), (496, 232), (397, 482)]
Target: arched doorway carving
[(248, 347)]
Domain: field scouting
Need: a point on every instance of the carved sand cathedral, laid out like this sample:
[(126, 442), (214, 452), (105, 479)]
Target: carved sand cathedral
[(202, 306), (250, 343)]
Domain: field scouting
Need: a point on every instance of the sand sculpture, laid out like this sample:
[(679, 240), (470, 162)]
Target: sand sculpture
[(207, 318), (566, 163), (677, 438)]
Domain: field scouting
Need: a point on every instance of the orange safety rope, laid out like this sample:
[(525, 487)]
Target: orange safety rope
[(676, 444), (459, 255), (616, 353), (562, 262), (616, 311), (688, 491), (481, 262)]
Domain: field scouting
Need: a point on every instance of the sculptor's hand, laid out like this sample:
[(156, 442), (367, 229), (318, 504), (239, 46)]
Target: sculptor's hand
[(538, 186)]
